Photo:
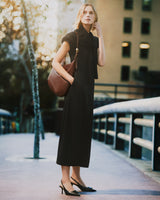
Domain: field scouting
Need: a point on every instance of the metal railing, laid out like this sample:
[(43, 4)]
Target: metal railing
[(5, 121), (141, 91), (110, 121)]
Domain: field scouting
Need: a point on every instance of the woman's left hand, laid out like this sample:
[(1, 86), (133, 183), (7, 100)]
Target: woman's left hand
[(97, 27), (101, 49)]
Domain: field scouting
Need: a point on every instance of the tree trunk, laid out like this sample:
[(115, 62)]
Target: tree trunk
[(35, 87)]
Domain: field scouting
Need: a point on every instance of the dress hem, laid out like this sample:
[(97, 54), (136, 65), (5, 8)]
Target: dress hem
[(72, 165)]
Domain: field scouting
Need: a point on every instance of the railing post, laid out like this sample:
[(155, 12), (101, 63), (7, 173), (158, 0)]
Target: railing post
[(1, 125), (107, 138), (99, 128), (106, 126), (4, 125), (118, 143), (93, 127), (156, 142), (7, 125), (115, 92), (135, 131)]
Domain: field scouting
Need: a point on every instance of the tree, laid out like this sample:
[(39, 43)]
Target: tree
[(12, 57), (13, 47), (35, 87), (15, 65)]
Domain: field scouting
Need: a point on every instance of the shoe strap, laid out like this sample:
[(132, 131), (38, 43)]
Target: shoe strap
[(75, 180)]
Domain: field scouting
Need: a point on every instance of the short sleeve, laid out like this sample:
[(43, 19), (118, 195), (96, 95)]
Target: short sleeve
[(96, 42), (71, 39), (95, 56)]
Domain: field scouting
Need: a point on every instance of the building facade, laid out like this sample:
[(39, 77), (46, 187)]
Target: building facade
[(131, 34)]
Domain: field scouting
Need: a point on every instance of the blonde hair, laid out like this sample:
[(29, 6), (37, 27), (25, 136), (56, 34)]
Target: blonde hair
[(80, 12)]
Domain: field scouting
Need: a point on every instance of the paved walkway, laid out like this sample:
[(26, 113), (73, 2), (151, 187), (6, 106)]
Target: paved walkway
[(22, 178)]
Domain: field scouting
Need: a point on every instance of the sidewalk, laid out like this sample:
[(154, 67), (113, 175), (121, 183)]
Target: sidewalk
[(22, 178)]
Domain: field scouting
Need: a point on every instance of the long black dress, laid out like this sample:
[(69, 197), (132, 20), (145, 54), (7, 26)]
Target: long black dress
[(76, 128)]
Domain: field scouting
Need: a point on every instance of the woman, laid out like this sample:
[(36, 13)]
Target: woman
[(76, 128)]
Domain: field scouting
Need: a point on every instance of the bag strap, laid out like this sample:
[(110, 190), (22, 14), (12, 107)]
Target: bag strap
[(77, 49)]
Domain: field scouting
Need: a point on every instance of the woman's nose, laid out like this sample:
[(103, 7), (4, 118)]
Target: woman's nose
[(87, 14)]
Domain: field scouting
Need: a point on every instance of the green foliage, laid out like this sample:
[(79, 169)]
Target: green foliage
[(69, 2)]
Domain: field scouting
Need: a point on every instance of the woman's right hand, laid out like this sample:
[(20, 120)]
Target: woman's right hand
[(71, 82)]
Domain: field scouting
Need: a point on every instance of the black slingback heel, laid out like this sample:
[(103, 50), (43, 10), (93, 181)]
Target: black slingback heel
[(72, 193), (81, 187)]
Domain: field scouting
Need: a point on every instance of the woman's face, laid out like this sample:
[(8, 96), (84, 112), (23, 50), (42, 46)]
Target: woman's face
[(88, 16)]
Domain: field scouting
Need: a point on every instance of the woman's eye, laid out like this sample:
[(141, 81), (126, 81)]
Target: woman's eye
[(90, 12)]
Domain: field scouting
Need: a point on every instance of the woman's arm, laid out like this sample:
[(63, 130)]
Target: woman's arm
[(101, 49), (61, 54)]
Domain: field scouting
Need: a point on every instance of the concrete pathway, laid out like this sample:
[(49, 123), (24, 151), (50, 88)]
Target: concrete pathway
[(23, 178)]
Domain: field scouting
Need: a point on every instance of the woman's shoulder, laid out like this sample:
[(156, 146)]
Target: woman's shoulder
[(69, 37)]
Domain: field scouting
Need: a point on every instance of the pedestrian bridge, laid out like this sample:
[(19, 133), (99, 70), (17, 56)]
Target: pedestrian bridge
[(111, 172)]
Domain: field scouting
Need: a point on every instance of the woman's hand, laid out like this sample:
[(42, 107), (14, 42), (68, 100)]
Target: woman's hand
[(71, 82), (97, 27), (101, 49)]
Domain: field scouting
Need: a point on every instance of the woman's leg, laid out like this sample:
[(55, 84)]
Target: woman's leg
[(76, 175), (66, 178)]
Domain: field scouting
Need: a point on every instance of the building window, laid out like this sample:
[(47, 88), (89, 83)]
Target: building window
[(127, 25), (125, 71), (145, 26), (144, 49), (128, 4), (143, 70), (146, 5), (126, 49)]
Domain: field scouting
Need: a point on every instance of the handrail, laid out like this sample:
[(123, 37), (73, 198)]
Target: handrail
[(148, 105), (4, 112), (4, 121), (115, 91), (109, 126), (128, 85)]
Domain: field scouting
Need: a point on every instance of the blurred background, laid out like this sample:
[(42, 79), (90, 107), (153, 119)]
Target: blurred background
[(131, 34)]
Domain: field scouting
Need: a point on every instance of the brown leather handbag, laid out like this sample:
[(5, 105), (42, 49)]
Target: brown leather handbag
[(56, 82)]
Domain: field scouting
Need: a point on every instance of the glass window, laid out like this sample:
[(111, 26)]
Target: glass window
[(128, 4), (126, 49), (125, 71), (144, 49), (143, 71), (145, 26), (146, 5), (127, 25)]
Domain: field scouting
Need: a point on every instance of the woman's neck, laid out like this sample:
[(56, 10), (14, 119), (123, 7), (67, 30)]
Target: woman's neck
[(87, 27)]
